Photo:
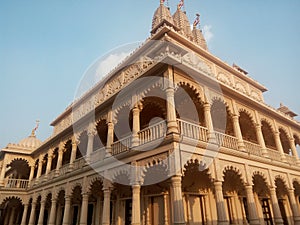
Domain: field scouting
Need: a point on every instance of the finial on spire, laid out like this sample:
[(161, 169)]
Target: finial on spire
[(181, 4), (197, 20), (36, 127), (162, 2)]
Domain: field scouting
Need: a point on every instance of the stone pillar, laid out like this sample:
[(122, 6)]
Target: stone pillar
[(295, 209), (294, 149), (110, 138), (39, 172), (24, 216), (279, 145), (42, 211), (2, 175), (52, 212), (238, 132), (209, 123), (177, 204), (32, 214), (12, 216), (253, 216), (84, 209), (261, 140), (221, 210), (136, 206), (135, 125), (275, 206), (31, 174), (106, 206), (75, 143), (66, 218), (59, 160), (49, 163), (171, 110), (91, 133), (166, 218)]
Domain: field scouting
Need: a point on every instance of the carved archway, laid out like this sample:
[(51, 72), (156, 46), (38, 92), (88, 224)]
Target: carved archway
[(100, 139), (189, 105), (268, 135), (54, 159), (247, 127), (11, 209), (67, 152), (18, 169), (221, 117), (285, 142)]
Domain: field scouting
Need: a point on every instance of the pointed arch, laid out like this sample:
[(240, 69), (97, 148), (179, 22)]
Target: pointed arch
[(268, 134), (188, 103), (285, 142), (247, 125), (221, 117)]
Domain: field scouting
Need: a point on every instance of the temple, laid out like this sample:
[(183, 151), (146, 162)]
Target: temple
[(173, 135)]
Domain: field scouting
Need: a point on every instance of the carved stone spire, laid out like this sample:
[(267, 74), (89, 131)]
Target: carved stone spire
[(162, 15), (182, 22), (197, 34)]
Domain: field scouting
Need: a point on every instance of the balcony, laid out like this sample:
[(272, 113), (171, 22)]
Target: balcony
[(16, 183)]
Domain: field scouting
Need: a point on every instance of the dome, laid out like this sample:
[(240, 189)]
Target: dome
[(161, 14), (182, 22), (30, 142), (199, 38)]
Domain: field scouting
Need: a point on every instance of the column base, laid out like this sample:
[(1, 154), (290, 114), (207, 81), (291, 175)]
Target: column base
[(297, 220), (278, 221), (223, 222), (180, 223), (254, 222)]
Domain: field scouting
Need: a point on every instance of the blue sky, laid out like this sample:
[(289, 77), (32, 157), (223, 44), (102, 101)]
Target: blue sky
[(46, 46)]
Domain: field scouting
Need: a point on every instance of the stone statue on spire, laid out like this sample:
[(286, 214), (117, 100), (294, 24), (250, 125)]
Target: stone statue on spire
[(197, 20)]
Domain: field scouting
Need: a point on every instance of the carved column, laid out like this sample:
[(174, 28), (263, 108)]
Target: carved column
[(221, 210), (177, 201), (279, 145), (106, 203), (253, 216), (32, 213), (110, 138), (135, 125), (171, 109), (12, 216), (60, 158), (84, 209), (39, 172), (24, 216), (91, 134), (75, 143), (294, 207), (49, 163), (136, 206), (66, 218), (261, 140), (275, 206), (294, 149), (238, 132), (209, 123), (166, 218), (52, 212), (42, 211)]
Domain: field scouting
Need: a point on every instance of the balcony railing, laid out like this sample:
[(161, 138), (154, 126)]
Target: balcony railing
[(226, 141), (121, 145), (192, 130), (274, 154), (154, 132), (64, 169), (16, 183), (252, 148), (79, 163)]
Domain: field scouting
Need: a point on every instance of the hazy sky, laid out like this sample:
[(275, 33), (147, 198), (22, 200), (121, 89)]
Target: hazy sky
[(46, 46)]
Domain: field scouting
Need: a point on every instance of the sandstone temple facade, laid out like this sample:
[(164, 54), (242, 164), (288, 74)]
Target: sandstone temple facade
[(172, 135)]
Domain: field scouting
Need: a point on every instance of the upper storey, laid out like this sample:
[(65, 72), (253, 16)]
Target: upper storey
[(188, 47)]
